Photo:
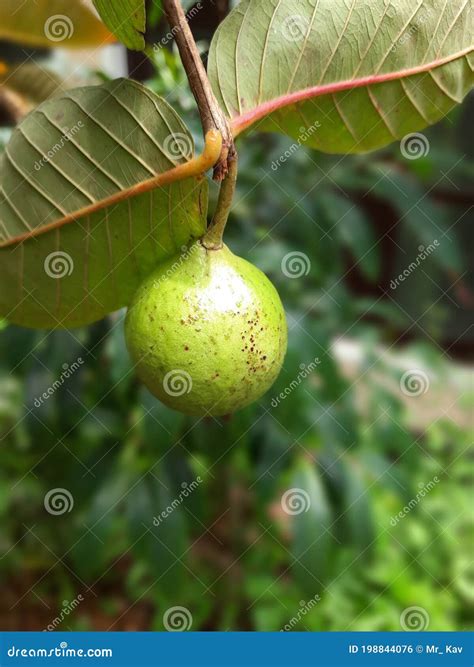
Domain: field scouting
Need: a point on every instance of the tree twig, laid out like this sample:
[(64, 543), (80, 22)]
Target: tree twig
[(14, 106), (212, 116)]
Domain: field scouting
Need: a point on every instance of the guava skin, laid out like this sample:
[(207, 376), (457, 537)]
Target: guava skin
[(207, 332)]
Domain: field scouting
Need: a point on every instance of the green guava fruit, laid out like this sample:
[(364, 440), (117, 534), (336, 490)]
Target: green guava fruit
[(207, 332)]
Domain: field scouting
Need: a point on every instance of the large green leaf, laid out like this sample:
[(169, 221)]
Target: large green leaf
[(126, 19), (342, 75), (65, 23), (74, 242), (312, 521), (162, 544), (356, 508)]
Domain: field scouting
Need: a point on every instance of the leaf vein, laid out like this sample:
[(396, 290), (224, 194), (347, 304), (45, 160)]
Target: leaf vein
[(399, 36), (344, 119), (32, 184), (60, 171), (412, 101), (237, 77), (343, 32), (380, 113), (82, 150), (451, 27), (118, 141), (305, 43), (265, 49)]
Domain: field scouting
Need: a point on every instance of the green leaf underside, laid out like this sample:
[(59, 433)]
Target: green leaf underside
[(120, 134), (342, 76), (126, 19)]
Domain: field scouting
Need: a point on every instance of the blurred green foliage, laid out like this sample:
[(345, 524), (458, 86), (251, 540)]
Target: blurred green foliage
[(228, 552)]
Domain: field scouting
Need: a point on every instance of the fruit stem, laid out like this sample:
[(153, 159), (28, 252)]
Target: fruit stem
[(213, 239), (212, 116)]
